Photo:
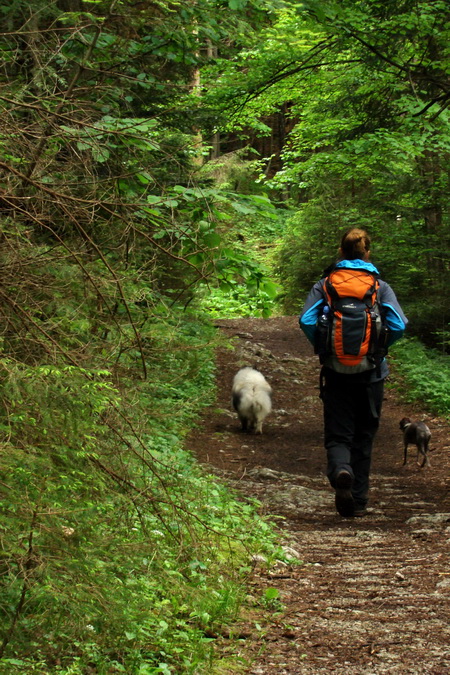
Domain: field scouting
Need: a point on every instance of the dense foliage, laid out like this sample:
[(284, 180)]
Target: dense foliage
[(117, 553), (366, 85), (162, 162), (108, 560)]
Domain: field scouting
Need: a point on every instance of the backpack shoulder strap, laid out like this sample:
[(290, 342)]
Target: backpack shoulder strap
[(330, 291)]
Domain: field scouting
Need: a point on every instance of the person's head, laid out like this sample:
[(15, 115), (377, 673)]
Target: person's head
[(355, 245)]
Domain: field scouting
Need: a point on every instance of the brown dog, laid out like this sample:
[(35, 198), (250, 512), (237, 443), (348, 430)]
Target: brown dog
[(419, 434)]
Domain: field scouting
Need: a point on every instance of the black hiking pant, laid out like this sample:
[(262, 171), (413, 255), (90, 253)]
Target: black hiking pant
[(352, 408)]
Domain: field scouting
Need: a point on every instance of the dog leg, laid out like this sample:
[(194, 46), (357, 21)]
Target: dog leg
[(428, 463), (405, 452), (424, 451)]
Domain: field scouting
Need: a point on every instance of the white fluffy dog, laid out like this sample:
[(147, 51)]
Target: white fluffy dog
[(251, 398)]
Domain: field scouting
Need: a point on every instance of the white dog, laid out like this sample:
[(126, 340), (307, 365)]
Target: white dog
[(251, 398)]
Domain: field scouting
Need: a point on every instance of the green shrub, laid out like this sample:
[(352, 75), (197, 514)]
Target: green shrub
[(426, 374), (118, 553)]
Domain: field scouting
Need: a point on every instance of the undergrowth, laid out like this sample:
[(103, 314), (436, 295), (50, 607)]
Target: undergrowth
[(255, 291), (425, 375), (118, 554)]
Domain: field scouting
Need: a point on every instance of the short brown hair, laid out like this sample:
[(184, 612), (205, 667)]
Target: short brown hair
[(355, 244)]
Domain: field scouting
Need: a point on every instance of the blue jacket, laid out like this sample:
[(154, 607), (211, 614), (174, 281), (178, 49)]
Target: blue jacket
[(393, 316)]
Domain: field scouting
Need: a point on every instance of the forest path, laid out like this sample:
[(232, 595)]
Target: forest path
[(372, 594)]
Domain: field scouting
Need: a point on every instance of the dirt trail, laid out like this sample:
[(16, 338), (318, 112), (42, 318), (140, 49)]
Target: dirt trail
[(373, 593)]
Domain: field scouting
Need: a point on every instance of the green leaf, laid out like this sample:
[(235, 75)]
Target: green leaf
[(241, 208), (144, 177), (212, 239), (270, 288), (100, 154), (271, 593)]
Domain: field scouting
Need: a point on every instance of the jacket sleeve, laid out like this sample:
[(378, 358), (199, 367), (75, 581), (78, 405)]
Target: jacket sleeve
[(311, 310), (393, 315)]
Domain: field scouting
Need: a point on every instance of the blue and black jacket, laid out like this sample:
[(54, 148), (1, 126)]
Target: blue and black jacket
[(393, 316)]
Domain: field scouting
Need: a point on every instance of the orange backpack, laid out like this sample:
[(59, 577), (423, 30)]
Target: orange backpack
[(355, 326)]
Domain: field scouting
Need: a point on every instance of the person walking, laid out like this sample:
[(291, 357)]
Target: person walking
[(353, 367)]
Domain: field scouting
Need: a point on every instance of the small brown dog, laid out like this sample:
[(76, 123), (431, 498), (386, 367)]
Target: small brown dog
[(419, 434)]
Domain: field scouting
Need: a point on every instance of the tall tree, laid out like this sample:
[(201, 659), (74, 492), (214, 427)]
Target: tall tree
[(368, 88)]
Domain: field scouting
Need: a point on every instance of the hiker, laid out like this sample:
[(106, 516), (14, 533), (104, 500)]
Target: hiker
[(351, 317)]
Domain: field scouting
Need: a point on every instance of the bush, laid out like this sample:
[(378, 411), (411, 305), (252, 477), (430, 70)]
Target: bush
[(118, 553), (426, 373)]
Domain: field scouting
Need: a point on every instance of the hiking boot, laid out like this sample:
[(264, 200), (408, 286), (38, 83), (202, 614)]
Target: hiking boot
[(360, 509), (345, 505)]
